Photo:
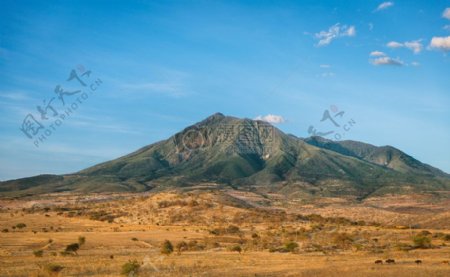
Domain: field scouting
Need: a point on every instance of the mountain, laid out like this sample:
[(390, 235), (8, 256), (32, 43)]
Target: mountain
[(223, 151)]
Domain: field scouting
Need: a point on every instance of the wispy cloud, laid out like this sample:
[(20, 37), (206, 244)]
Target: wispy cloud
[(440, 43), (446, 13), (170, 89), (377, 54), (271, 118), (384, 5), (325, 66), (415, 45), (15, 96), (334, 32), (387, 61), (101, 124)]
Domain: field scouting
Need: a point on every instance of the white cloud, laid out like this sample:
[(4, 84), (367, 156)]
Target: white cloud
[(325, 66), (327, 74), (370, 26), (387, 61), (384, 6), (446, 13), (415, 64), (414, 45), (351, 31), (377, 54), (271, 118), (334, 32), (446, 27), (440, 43), (394, 44)]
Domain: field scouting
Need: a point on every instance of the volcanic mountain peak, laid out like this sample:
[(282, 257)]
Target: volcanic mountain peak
[(249, 154)]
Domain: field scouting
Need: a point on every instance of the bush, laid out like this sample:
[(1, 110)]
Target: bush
[(5, 230), (131, 267), (53, 268), (181, 246), (291, 246), (81, 240), (236, 248), (421, 241), (72, 247), (38, 253), (167, 248), (134, 239), (21, 225)]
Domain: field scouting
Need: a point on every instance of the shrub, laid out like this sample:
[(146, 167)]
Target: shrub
[(167, 247), (21, 225), (236, 248), (232, 229), (131, 267), (134, 239), (5, 230), (291, 246), (72, 247), (53, 268), (81, 240), (38, 253), (181, 246), (421, 241)]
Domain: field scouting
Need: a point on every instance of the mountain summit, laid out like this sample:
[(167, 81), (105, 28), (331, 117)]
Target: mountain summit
[(223, 151)]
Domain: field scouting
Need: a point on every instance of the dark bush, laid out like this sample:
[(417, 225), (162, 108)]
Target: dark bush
[(38, 253), (167, 247), (73, 247), (131, 267)]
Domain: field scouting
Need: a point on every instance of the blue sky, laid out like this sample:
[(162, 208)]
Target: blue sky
[(168, 64)]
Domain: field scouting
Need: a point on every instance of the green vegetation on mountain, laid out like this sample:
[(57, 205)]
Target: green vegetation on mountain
[(248, 154)]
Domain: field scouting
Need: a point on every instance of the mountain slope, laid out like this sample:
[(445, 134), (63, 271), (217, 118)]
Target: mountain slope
[(248, 154)]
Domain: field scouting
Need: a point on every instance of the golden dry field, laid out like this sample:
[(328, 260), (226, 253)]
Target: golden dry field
[(223, 233)]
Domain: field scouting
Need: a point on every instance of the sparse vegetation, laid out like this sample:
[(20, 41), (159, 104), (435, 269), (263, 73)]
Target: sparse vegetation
[(209, 234), (130, 267), (422, 241)]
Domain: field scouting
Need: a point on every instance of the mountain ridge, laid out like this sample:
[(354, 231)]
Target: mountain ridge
[(248, 154)]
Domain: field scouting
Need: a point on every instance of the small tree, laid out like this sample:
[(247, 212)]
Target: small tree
[(73, 247), (131, 267), (167, 248)]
